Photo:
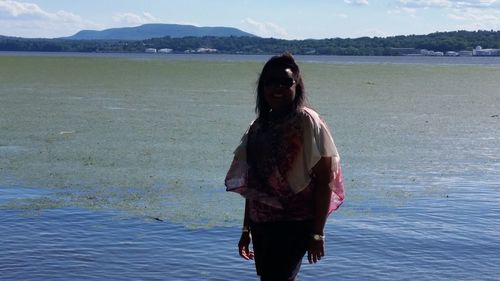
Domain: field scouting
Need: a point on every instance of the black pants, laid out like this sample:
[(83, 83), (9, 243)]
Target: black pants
[(279, 248)]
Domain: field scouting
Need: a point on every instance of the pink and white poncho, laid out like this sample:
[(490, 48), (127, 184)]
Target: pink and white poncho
[(272, 167)]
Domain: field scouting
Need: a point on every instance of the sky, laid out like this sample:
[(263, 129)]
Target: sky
[(290, 19)]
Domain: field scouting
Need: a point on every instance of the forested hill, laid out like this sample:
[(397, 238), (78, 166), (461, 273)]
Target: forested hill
[(147, 31), (439, 41)]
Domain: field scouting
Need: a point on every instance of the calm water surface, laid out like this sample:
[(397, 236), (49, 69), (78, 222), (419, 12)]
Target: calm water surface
[(111, 167)]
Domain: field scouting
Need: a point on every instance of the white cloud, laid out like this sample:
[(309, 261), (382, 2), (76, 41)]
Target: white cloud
[(357, 2), (449, 3), (29, 20), (423, 3), (265, 29), (467, 14), (15, 9), (474, 18), (135, 19)]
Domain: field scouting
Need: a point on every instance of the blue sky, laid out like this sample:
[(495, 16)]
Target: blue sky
[(291, 19)]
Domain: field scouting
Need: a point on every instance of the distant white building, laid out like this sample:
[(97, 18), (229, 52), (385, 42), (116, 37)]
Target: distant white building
[(165, 51), (479, 51), (150, 50), (206, 50), (425, 52)]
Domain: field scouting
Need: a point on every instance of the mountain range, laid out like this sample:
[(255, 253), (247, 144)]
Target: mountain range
[(148, 31)]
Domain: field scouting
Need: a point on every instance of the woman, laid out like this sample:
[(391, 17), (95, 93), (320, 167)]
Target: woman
[(287, 167)]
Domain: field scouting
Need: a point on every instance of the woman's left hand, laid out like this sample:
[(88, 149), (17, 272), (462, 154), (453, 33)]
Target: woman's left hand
[(315, 250)]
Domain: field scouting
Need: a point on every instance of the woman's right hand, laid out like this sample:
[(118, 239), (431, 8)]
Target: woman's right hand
[(244, 246)]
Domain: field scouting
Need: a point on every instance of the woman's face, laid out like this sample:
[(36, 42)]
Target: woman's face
[(279, 89)]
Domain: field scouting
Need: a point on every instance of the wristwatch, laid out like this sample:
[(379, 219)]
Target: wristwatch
[(317, 237)]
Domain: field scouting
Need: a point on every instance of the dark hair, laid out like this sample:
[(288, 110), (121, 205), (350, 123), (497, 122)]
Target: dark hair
[(279, 62)]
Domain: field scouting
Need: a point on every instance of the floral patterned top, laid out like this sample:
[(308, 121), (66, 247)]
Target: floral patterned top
[(272, 167)]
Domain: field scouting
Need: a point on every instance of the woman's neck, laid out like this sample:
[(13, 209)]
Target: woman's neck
[(281, 114)]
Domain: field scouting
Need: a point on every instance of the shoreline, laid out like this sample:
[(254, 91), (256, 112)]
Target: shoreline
[(492, 61)]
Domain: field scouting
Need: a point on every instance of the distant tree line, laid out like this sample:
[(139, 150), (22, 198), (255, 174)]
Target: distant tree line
[(366, 46)]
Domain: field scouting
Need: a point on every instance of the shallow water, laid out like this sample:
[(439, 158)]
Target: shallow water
[(113, 167)]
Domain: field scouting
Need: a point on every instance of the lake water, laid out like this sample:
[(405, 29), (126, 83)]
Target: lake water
[(112, 166)]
